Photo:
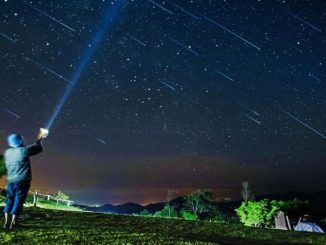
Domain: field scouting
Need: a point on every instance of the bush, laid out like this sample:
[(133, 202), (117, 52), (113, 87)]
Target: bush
[(145, 213), (167, 212), (252, 213), (217, 216), (262, 213), (61, 195), (189, 216)]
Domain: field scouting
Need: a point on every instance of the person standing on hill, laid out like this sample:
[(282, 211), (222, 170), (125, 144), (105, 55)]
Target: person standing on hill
[(19, 174)]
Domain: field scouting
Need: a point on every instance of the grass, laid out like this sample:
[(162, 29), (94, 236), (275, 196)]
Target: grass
[(42, 203), (42, 226)]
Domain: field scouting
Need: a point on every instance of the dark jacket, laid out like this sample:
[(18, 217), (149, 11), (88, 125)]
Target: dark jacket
[(17, 161)]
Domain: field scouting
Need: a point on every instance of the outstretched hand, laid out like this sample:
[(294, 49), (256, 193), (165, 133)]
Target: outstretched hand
[(43, 133)]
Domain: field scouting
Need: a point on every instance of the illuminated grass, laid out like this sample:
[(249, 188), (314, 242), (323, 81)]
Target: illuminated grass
[(53, 205), (41, 226)]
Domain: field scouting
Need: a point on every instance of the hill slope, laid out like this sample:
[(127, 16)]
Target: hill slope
[(59, 227), (317, 202)]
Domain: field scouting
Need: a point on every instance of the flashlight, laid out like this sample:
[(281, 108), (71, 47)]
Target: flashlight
[(43, 133)]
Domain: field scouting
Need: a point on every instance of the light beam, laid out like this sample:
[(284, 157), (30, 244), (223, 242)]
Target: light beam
[(110, 14)]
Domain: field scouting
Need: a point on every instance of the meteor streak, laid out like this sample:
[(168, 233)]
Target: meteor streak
[(184, 46), (231, 32), (185, 11), (167, 85), (11, 113), (161, 7), (137, 40), (314, 77), (49, 70), (93, 136), (304, 124), (100, 140), (49, 16), (111, 13), (304, 21), (10, 39), (251, 118), (254, 112), (300, 50), (227, 77)]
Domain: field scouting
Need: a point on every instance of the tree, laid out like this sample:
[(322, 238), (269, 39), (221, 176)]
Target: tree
[(252, 213), (199, 201), (168, 212), (3, 170), (170, 208), (62, 196), (261, 213), (246, 192)]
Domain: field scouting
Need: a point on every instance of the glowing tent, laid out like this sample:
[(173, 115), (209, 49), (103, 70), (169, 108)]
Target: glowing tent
[(308, 226)]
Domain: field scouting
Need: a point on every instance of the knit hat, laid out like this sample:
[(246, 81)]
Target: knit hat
[(15, 140)]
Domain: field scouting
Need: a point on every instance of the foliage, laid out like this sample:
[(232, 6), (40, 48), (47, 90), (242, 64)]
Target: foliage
[(217, 216), (61, 195), (289, 205), (252, 213), (262, 213), (189, 216), (3, 170), (145, 212), (199, 201), (40, 226), (169, 211)]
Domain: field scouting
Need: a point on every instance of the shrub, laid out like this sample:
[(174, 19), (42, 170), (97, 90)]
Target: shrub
[(252, 213), (167, 212), (189, 216), (217, 216), (262, 213), (62, 196), (144, 213)]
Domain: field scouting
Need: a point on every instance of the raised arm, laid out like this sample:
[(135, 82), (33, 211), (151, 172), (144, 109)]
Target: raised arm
[(35, 148)]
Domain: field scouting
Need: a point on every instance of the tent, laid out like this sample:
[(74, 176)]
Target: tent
[(308, 226)]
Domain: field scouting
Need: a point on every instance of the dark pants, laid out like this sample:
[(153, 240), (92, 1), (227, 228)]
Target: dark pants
[(16, 195)]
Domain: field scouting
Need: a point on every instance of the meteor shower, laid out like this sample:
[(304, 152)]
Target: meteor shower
[(163, 122)]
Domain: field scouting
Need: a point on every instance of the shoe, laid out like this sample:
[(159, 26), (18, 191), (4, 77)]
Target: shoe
[(5, 226), (14, 225)]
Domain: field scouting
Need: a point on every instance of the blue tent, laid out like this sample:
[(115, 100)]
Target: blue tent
[(308, 226)]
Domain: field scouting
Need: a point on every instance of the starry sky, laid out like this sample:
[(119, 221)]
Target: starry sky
[(177, 95)]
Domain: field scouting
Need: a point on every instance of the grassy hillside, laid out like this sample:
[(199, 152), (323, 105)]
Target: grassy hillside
[(41, 226)]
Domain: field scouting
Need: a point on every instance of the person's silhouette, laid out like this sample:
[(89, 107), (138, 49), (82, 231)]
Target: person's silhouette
[(19, 174)]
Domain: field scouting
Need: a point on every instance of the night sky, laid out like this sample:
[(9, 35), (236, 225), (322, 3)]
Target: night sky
[(178, 95)]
